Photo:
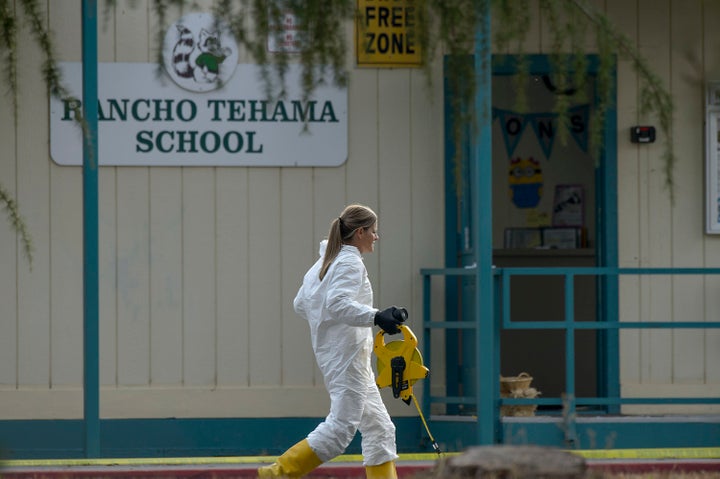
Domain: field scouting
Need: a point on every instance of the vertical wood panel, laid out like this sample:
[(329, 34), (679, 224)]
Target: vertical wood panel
[(362, 164), (107, 254), (427, 189), (107, 231), (687, 88), (395, 243), (66, 276), (132, 39), (624, 16), (329, 198), (106, 31), (264, 303), (590, 38), (654, 35), (166, 276), (66, 252), (296, 240), (64, 17), (33, 196), (363, 146), (133, 226), (133, 276), (11, 257), (243, 54), (233, 276), (711, 64), (153, 26), (534, 39), (198, 291)]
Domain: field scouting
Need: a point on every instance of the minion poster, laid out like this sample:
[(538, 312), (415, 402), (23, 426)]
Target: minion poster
[(526, 182)]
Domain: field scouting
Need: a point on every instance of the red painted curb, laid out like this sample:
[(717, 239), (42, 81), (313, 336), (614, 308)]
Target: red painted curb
[(194, 472), (661, 465), (340, 471)]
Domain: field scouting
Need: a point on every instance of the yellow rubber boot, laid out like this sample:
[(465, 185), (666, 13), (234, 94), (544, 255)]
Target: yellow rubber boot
[(383, 471), (295, 462)]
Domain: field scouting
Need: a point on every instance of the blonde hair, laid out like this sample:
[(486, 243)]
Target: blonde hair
[(343, 228)]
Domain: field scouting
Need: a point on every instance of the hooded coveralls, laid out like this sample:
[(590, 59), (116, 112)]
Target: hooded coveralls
[(340, 313)]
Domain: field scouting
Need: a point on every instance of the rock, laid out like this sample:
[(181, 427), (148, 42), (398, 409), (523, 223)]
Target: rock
[(511, 462)]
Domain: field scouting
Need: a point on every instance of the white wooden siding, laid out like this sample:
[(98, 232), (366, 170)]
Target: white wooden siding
[(199, 266), (687, 246), (33, 189), (625, 17), (711, 246), (9, 255)]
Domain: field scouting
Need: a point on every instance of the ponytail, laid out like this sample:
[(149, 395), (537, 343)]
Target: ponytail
[(342, 229)]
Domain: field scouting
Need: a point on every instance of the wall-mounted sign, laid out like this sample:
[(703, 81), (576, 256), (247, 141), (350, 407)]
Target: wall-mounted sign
[(208, 111), (285, 33), (712, 159), (385, 33)]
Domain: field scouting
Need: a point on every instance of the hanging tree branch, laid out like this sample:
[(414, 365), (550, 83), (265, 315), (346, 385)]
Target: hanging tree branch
[(8, 46), (447, 24), (17, 222), (654, 98)]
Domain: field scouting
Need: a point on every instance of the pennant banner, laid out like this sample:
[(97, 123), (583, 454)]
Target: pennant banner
[(579, 117), (513, 125), (544, 125)]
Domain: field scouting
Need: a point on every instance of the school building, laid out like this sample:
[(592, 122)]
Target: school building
[(515, 250)]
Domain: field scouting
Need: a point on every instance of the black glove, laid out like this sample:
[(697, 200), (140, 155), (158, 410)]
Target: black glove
[(401, 314), (389, 319)]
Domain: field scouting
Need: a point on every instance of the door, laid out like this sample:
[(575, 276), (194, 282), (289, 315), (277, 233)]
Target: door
[(553, 205)]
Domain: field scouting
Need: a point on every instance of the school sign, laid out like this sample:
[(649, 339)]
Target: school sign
[(204, 110)]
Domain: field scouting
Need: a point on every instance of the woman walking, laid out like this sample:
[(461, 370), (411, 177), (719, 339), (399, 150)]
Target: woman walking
[(336, 298)]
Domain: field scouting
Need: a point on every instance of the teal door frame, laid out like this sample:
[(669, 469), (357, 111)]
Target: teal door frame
[(461, 371)]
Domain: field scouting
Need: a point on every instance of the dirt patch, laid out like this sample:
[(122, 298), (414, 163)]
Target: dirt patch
[(536, 462)]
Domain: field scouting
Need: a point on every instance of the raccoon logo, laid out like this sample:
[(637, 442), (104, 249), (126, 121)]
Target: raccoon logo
[(199, 54), (182, 51)]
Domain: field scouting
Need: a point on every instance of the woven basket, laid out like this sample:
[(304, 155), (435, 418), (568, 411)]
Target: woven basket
[(518, 387), (508, 384)]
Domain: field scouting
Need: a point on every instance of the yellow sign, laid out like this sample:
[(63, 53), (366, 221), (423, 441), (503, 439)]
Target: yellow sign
[(385, 33)]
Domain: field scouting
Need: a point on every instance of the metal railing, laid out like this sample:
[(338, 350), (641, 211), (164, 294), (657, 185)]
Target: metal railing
[(502, 308)]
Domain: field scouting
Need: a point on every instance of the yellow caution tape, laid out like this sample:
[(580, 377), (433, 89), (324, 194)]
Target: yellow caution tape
[(659, 453)]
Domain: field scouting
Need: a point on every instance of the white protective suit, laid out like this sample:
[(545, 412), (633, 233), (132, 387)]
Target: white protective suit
[(341, 315)]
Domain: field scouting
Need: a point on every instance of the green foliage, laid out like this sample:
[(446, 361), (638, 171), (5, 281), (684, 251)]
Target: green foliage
[(16, 221), (8, 51), (570, 23), (8, 47), (31, 13), (449, 26)]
